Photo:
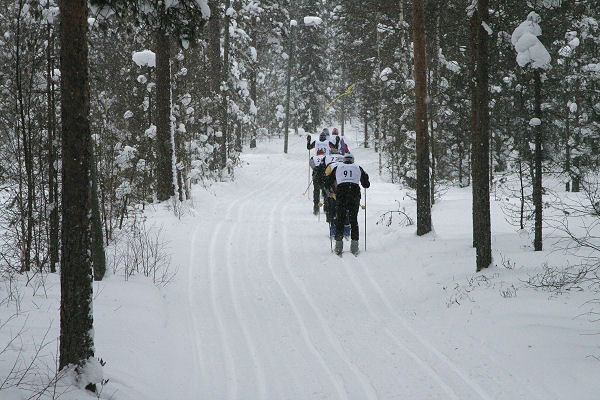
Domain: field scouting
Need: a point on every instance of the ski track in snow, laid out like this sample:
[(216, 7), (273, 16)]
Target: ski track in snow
[(233, 292), (334, 378), (319, 339), (213, 256), (250, 267), (198, 355), (366, 386), (445, 384), (217, 303), (398, 341), (429, 367), (231, 376)]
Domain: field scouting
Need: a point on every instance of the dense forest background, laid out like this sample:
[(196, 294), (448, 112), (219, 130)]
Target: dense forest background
[(227, 81)]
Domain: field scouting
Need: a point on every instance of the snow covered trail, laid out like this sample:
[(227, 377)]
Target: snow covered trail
[(262, 309), (274, 315)]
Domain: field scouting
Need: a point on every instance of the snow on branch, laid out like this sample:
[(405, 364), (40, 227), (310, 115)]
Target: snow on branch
[(312, 21), (529, 48), (143, 58)]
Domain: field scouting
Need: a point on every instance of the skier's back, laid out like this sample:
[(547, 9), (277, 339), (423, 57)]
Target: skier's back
[(347, 177), (329, 162), (334, 139), (321, 144)]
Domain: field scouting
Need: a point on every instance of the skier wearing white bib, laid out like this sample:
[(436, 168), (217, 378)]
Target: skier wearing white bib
[(347, 177), (329, 203), (334, 139), (317, 164), (321, 144)]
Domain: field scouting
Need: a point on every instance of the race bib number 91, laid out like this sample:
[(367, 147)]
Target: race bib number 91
[(347, 173)]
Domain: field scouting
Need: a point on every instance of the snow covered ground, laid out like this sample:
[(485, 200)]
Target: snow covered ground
[(261, 308)]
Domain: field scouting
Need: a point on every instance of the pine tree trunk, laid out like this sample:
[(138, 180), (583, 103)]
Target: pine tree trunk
[(537, 184), (343, 118), (460, 164), (433, 13), (225, 84), (474, 32), (238, 137), (422, 138), (576, 171), (27, 210), (98, 255), (379, 94), (343, 100), (214, 55), (253, 97), (366, 125), (164, 151), (481, 188), (288, 80), (76, 318), (53, 244), (567, 148)]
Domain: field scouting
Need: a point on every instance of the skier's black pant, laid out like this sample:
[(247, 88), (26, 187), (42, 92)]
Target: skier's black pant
[(329, 207), (317, 188), (347, 203)]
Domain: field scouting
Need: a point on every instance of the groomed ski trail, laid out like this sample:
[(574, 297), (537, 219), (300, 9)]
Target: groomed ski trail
[(273, 314)]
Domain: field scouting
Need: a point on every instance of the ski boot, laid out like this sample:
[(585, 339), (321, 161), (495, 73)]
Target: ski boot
[(339, 246), (354, 247), (316, 209)]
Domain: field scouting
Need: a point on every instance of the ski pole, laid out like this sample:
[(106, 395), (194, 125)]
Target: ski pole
[(319, 212), (309, 164), (309, 178), (330, 239), (303, 194), (365, 219)]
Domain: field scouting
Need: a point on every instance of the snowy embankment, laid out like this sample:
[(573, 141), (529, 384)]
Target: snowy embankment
[(261, 308)]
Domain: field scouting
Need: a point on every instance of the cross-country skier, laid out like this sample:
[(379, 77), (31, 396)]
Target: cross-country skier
[(322, 143), (317, 164), (329, 201), (334, 139), (347, 178)]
